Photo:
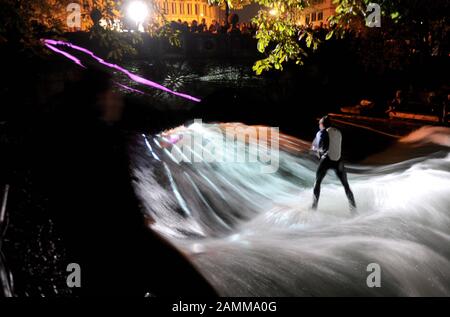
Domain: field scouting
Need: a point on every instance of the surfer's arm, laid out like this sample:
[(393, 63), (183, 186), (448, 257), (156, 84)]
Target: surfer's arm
[(324, 143)]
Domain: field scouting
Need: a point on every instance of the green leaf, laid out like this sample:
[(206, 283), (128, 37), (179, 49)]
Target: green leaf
[(261, 46), (329, 35)]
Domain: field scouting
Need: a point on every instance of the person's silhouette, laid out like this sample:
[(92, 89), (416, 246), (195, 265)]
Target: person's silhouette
[(327, 145)]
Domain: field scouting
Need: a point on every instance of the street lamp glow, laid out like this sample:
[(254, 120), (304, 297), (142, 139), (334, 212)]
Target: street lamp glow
[(137, 11)]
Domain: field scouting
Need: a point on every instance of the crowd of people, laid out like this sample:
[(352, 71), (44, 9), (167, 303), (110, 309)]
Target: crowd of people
[(216, 27)]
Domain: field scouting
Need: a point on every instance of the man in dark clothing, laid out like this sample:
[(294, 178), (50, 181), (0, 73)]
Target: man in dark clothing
[(327, 145)]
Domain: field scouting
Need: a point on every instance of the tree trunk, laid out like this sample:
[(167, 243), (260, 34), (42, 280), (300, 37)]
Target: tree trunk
[(227, 13)]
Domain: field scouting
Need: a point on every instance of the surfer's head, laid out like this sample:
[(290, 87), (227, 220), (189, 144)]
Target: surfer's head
[(324, 123)]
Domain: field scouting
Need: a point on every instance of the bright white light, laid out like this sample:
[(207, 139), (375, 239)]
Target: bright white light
[(273, 12), (137, 11), (195, 126)]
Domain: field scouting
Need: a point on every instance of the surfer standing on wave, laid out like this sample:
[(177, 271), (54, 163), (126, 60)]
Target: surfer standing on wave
[(327, 145)]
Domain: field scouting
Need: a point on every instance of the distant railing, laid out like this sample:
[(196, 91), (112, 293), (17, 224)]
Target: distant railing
[(193, 45), (207, 45)]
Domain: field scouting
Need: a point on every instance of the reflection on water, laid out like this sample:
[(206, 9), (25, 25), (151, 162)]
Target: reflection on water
[(200, 79)]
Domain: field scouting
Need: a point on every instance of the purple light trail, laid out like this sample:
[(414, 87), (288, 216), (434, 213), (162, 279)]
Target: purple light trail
[(130, 89), (69, 56), (52, 43)]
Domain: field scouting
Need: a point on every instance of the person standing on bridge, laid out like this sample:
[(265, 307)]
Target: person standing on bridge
[(327, 145)]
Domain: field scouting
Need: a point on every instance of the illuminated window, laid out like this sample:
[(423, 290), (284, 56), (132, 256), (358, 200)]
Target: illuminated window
[(320, 16), (189, 8), (204, 9), (196, 9), (174, 8), (313, 16), (181, 8)]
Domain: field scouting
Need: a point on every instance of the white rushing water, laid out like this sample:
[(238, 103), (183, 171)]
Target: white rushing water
[(254, 234)]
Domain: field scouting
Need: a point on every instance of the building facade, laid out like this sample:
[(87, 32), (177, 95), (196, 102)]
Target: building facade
[(188, 10), (317, 14), (173, 10)]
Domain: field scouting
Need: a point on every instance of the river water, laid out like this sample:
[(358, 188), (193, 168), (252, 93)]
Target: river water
[(253, 234)]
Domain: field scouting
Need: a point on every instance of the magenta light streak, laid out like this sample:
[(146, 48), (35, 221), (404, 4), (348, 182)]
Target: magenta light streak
[(130, 89), (174, 138), (78, 62), (50, 43), (69, 56)]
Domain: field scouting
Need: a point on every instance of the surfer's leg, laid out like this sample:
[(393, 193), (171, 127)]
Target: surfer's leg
[(320, 174), (342, 175)]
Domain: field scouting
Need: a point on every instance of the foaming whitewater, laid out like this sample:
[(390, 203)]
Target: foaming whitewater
[(254, 234)]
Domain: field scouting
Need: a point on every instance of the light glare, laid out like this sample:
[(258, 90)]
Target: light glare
[(137, 11), (273, 12)]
